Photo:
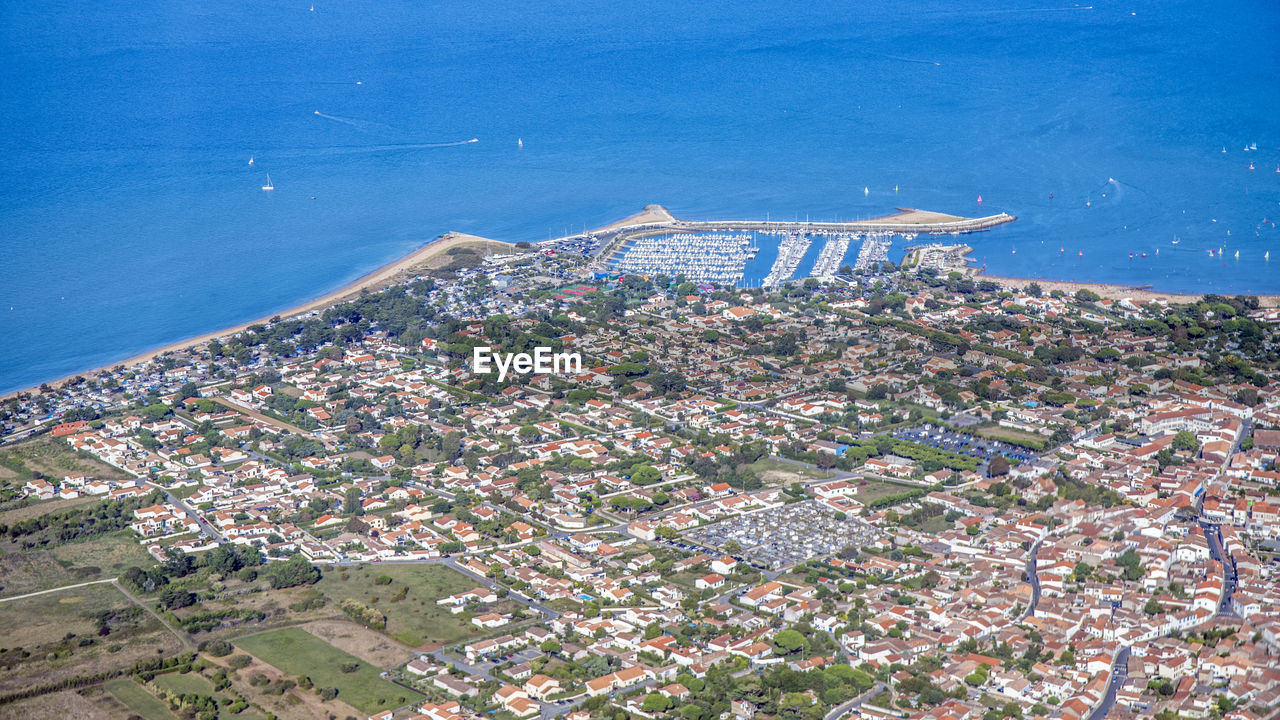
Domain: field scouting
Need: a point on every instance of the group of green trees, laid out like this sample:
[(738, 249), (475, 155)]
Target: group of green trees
[(77, 523)]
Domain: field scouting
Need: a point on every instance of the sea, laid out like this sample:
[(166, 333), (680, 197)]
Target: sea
[(130, 216)]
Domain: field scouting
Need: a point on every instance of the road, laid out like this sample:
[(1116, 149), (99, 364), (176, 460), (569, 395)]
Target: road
[(1119, 672), (1033, 577), (205, 527), (846, 707), (1213, 534)]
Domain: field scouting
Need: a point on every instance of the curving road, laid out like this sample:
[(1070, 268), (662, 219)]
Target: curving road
[(1119, 672)]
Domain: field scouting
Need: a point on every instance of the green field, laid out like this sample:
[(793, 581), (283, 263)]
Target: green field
[(296, 652), (415, 620), (191, 682), (139, 700)]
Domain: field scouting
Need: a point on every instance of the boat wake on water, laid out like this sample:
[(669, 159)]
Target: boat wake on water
[(344, 121), (355, 149), (912, 60)]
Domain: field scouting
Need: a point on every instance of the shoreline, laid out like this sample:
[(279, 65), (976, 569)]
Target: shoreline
[(1118, 292), (377, 278), (398, 269)]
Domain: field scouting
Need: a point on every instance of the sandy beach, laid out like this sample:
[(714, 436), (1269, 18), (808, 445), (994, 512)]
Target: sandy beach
[(1113, 292), (382, 277)]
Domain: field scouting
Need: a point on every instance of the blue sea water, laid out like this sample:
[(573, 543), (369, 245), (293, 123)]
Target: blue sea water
[(130, 218)]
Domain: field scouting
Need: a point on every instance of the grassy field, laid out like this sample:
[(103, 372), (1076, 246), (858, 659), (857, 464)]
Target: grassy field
[(415, 620), (876, 489), (139, 699), (773, 470), (55, 459), (103, 556), (191, 682), (996, 432), (58, 634), (22, 509), (47, 618), (295, 652)]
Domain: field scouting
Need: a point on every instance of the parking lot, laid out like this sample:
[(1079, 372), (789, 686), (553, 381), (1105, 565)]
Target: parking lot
[(780, 537), (981, 448)]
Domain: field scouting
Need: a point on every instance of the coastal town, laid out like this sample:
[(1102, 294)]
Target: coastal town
[(878, 492)]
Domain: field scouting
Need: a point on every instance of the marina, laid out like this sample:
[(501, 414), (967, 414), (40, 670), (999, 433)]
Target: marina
[(741, 252), (875, 250), (790, 253), (703, 257), (831, 257)]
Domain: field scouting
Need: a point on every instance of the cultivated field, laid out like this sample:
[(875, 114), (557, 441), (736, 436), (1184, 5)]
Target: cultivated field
[(415, 620), (139, 700), (297, 652)]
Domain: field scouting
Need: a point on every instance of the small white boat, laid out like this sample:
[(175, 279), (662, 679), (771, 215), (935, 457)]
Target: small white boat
[(866, 191), (268, 186), (250, 161), (520, 142)]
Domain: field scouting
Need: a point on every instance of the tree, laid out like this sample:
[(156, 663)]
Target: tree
[(351, 501), (665, 532), (789, 641), (645, 474), (1152, 607), (998, 466), (656, 702), (1185, 440), (549, 646), (297, 570)]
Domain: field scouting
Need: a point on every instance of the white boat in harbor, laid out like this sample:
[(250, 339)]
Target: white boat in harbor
[(268, 186)]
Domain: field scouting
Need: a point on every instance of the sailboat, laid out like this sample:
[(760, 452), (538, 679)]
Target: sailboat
[(1250, 166), (866, 191), (1266, 255), (268, 186), (251, 162), (979, 201), (1237, 255), (520, 142), (895, 188)]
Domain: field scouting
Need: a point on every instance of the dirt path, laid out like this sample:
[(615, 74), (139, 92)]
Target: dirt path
[(57, 589), (259, 416), (182, 637)]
